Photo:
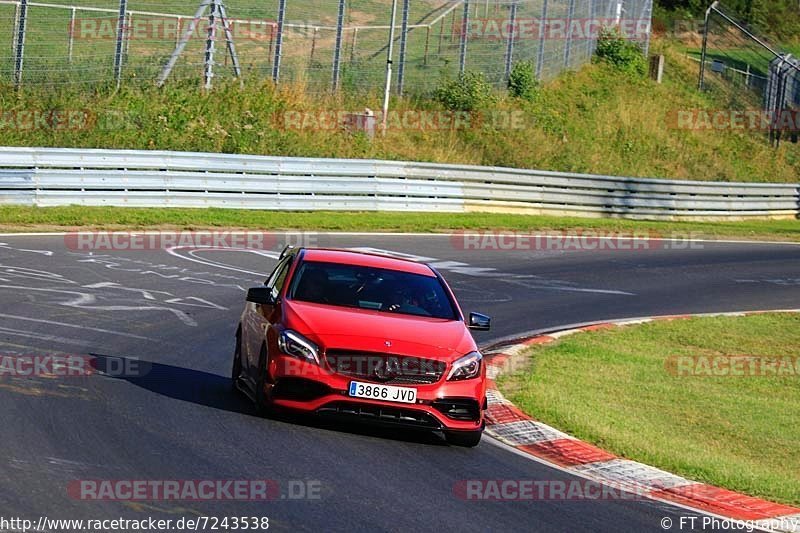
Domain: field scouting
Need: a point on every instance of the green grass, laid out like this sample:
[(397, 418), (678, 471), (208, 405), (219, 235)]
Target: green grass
[(612, 388), (740, 58), (596, 120), (23, 218), (47, 59)]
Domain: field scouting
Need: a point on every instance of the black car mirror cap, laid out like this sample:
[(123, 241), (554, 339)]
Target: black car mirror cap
[(260, 295), (479, 322)]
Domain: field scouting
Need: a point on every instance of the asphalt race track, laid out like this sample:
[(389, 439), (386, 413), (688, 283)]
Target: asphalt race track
[(175, 313)]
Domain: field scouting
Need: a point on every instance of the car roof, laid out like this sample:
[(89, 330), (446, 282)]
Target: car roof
[(350, 257)]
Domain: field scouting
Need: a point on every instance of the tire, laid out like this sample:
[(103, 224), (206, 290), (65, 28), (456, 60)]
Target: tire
[(466, 439), (236, 370), (263, 402)]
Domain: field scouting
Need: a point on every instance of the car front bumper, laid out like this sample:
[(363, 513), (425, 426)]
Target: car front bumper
[(445, 405)]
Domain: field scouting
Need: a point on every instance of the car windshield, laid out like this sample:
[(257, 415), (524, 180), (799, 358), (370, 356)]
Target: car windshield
[(378, 289)]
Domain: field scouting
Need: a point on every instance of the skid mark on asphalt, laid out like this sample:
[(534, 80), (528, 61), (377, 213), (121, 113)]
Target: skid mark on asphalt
[(154, 269), (468, 293), (52, 464), (191, 255), (9, 247), (26, 349), (85, 300), (31, 273), (34, 388), (771, 281), (66, 325), (143, 507), (555, 285), (42, 336), (147, 294)]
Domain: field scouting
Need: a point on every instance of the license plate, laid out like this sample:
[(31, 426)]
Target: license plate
[(386, 393)]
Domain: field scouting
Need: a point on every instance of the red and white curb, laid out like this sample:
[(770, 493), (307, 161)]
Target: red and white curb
[(508, 424)]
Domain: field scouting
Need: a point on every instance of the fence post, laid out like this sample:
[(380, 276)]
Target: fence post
[(645, 15), (71, 35), (401, 68), (387, 86), (702, 82), (427, 45), (592, 38), (462, 55), (271, 40), (276, 62), (512, 21), (22, 21), (542, 32), (123, 6), (568, 44), (441, 36), (211, 37), (337, 51), (313, 45), (230, 45), (353, 45), (14, 30), (126, 45), (182, 41)]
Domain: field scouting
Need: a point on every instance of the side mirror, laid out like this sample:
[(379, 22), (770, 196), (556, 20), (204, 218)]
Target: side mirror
[(479, 322), (260, 295)]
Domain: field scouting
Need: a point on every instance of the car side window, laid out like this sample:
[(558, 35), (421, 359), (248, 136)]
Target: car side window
[(278, 277)]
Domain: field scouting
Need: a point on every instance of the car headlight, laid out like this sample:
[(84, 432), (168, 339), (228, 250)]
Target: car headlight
[(466, 367), (292, 343)]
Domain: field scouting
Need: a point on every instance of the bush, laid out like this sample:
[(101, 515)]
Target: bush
[(623, 54), (522, 82), (468, 92)]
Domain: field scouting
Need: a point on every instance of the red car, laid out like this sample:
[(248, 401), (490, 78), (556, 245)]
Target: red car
[(362, 337)]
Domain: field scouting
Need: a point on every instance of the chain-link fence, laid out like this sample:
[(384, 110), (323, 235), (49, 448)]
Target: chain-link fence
[(322, 44), (749, 71)]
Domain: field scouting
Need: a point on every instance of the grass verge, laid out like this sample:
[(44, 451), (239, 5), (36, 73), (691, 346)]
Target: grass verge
[(25, 218), (597, 120), (613, 388)]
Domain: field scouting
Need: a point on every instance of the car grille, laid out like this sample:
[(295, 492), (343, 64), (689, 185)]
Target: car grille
[(387, 369), (393, 416)]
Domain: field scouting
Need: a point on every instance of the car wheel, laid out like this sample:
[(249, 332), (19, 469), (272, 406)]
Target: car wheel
[(468, 439), (263, 402), (236, 371)]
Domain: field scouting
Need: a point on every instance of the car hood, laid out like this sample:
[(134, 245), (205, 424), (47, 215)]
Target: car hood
[(367, 330)]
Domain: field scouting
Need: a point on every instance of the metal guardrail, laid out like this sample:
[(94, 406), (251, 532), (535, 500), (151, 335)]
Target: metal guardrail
[(61, 176)]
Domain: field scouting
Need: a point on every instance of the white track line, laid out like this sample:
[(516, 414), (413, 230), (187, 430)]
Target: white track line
[(399, 234)]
